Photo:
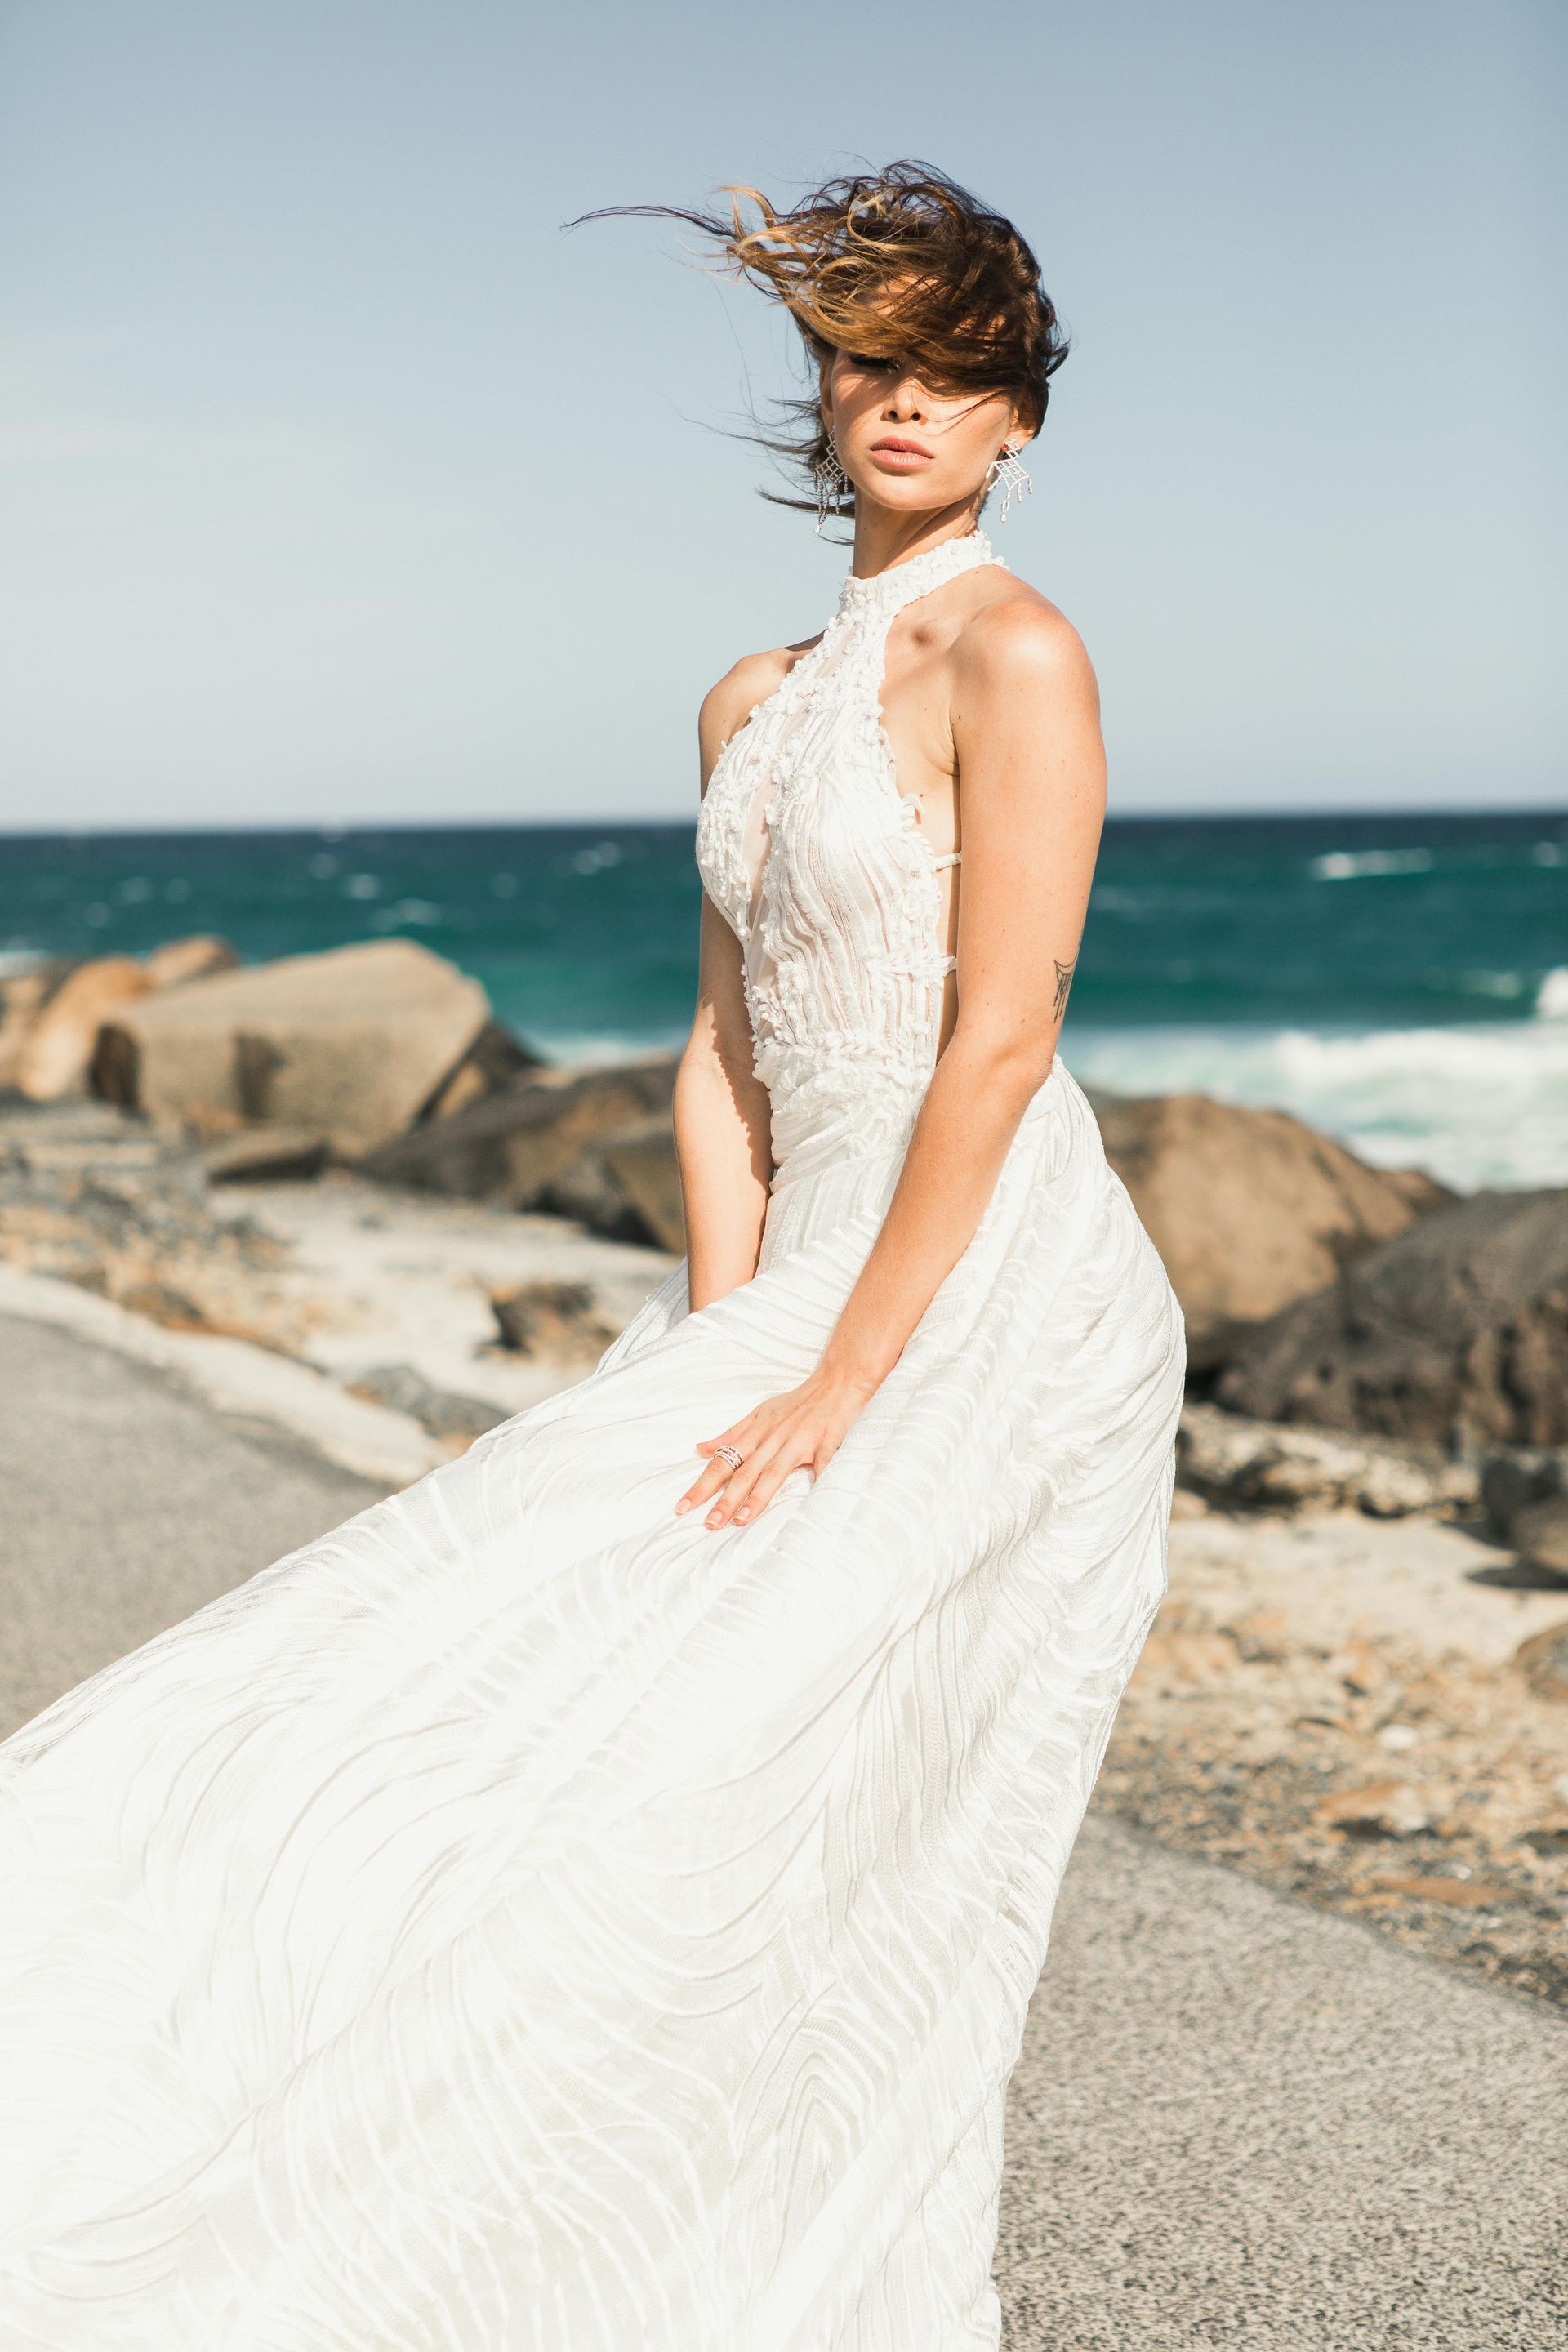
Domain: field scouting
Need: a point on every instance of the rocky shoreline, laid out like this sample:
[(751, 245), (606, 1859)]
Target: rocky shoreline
[(1357, 1689)]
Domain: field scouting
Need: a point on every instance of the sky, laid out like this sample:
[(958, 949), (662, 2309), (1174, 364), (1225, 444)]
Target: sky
[(339, 484)]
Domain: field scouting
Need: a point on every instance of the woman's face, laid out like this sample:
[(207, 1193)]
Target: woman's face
[(909, 448)]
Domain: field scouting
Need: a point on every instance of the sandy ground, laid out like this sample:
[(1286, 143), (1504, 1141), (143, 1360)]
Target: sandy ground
[(1329, 1704)]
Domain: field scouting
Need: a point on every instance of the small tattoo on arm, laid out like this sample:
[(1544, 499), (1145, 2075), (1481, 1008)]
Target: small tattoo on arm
[(1063, 982)]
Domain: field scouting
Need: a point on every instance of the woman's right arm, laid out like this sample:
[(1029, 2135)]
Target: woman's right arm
[(723, 1118)]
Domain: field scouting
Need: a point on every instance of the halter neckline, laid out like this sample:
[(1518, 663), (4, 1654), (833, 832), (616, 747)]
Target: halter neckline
[(884, 593)]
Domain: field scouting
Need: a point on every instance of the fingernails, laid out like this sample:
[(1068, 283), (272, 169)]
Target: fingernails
[(715, 1519), (682, 1506), (744, 1512)]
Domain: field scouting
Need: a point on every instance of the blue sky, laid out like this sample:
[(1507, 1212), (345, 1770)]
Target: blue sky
[(340, 484)]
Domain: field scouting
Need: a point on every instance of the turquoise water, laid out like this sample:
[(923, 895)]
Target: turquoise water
[(1401, 980)]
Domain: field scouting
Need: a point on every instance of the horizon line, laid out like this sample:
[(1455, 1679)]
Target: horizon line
[(331, 829)]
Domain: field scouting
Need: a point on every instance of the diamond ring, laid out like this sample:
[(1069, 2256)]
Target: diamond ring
[(729, 1453)]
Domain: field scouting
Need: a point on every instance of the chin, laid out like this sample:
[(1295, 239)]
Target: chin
[(912, 494)]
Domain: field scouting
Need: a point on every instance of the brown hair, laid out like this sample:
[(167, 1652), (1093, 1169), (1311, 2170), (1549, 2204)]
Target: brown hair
[(898, 262)]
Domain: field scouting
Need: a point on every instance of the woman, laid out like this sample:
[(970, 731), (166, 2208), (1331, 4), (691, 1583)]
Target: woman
[(580, 1906)]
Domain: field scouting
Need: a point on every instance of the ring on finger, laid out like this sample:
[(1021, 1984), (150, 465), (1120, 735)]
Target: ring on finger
[(729, 1453)]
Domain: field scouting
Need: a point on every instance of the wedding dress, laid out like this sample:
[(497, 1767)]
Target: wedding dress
[(524, 1921)]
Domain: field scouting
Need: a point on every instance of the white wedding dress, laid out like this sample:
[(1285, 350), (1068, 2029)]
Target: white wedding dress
[(524, 1921)]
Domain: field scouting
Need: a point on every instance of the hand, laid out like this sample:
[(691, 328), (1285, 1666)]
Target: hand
[(801, 1430)]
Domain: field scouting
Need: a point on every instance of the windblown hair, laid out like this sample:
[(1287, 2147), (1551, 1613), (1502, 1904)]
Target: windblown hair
[(898, 263)]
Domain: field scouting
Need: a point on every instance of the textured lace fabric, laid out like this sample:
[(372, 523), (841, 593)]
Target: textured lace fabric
[(524, 1921), (820, 866)]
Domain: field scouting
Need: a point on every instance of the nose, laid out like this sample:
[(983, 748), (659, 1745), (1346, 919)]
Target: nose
[(905, 400)]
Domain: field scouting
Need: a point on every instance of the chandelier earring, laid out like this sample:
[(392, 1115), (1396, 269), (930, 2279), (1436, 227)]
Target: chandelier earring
[(1015, 480), (832, 482)]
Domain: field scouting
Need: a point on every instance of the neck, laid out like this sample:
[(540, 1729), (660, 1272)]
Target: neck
[(885, 536)]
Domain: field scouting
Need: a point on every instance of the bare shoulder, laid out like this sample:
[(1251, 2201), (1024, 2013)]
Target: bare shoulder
[(1016, 641), (727, 706)]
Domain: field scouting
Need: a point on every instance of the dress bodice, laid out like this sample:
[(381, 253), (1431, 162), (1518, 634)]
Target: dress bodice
[(820, 867)]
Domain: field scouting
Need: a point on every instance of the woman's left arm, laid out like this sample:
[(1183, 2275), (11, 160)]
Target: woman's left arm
[(1031, 765)]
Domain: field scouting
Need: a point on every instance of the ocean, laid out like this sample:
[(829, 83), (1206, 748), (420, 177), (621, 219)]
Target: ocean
[(1400, 981)]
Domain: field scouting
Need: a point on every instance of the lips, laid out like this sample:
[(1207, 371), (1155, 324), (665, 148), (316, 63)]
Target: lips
[(903, 455)]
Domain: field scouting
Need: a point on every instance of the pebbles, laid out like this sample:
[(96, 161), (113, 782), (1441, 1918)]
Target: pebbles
[(1353, 1712)]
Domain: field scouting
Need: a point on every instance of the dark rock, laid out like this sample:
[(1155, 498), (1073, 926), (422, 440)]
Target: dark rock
[(641, 1160), (494, 1059), (589, 1194), (443, 1411), (1514, 1477), (1250, 1210), (1539, 1533), (550, 1319), (515, 1146), (267, 1155), (1454, 1334)]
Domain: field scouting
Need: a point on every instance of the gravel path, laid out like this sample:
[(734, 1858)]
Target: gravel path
[(1237, 2122)]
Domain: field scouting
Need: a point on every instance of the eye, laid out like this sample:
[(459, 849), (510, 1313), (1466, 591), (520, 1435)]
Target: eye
[(868, 361)]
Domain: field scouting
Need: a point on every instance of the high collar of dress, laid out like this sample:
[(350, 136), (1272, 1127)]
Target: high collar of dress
[(887, 593)]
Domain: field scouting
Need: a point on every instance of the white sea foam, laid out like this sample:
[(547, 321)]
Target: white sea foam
[(1480, 1103), (1552, 1003), (1354, 865)]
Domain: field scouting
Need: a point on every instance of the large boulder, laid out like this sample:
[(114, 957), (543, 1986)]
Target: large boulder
[(541, 1142), (23, 996), (352, 1045), (1250, 1210), (198, 958), (1456, 1334), (641, 1160), (55, 1054)]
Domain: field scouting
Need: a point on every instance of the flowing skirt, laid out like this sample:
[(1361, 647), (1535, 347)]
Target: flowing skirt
[(523, 1921)]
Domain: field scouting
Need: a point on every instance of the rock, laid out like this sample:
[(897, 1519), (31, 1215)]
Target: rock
[(1542, 1660), (443, 1411), (589, 1194), (267, 1155), (58, 1049), (1250, 1210), (1459, 1894), (642, 1160), (353, 1044), (494, 1059), (1382, 1809), (1541, 1533), (1514, 1477), (1454, 1334), (178, 960), (514, 1146), (550, 1319), (23, 997), (1260, 1466)]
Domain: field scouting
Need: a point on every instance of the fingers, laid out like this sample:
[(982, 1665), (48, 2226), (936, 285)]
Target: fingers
[(739, 1498), (783, 1435), (717, 1473), (768, 1481), (726, 1486)]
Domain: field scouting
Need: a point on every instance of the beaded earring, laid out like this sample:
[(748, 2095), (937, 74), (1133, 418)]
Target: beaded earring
[(832, 482), (1013, 478)]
